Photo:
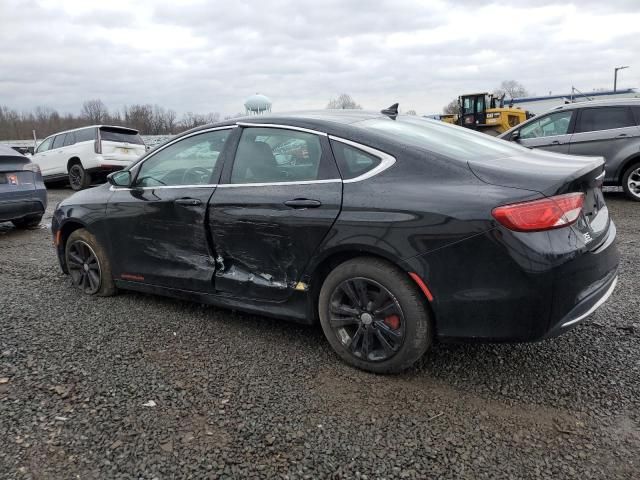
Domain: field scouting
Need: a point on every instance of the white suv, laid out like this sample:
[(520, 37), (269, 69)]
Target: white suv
[(87, 154)]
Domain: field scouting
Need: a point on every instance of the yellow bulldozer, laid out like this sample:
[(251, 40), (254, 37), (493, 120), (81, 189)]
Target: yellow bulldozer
[(486, 113)]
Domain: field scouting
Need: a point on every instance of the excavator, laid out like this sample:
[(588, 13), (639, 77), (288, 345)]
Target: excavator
[(486, 113)]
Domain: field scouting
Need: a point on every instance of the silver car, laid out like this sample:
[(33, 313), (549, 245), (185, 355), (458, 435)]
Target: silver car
[(608, 128)]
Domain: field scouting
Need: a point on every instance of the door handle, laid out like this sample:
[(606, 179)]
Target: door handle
[(555, 142), (622, 135), (188, 202), (303, 203)]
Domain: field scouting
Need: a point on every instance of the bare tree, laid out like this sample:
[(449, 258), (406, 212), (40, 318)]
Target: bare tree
[(343, 102), (512, 89), (94, 111), (452, 107)]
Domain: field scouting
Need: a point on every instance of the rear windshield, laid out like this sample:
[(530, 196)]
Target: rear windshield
[(441, 138), (119, 135)]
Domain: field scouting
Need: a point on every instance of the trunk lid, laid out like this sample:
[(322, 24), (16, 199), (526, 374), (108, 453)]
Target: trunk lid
[(554, 174)]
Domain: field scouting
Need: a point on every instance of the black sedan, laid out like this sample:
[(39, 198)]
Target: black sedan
[(390, 231), (23, 196)]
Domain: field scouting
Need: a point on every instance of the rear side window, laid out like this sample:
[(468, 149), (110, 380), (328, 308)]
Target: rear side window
[(85, 135), (352, 161), (120, 135), (69, 139), (44, 146), (58, 141), (267, 155), (605, 118)]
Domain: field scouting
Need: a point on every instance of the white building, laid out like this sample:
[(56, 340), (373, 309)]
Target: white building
[(537, 105)]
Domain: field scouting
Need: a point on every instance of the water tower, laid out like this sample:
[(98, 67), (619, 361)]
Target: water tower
[(257, 104)]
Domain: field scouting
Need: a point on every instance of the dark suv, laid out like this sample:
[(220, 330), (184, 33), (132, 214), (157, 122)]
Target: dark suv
[(602, 128)]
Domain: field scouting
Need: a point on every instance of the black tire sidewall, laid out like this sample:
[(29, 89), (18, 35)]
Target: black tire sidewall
[(107, 286), (85, 179), (418, 329), (625, 179)]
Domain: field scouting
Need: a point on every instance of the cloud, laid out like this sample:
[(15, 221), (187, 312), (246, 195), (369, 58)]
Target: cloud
[(204, 56)]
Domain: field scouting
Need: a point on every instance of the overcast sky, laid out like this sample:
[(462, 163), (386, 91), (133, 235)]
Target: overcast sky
[(208, 56)]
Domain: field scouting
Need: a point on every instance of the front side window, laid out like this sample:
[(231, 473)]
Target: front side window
[(58, 141), (190, 161), (45, 145), (267, 155), (548, 126), (604, 118), (352, 161)]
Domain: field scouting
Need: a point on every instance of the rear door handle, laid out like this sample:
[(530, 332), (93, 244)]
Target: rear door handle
[(622, 135), (303, 203), (188, 202), (555, 142)]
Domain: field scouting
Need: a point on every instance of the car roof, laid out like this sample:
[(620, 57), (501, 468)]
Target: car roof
[(92, 126), (599, 103), (328, 121), (7, 151)]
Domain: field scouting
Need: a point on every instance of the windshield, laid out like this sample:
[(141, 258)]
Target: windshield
[(120, 135), (441, 138)]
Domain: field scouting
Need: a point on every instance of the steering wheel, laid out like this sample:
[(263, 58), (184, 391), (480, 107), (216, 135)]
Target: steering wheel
[(196, 176)]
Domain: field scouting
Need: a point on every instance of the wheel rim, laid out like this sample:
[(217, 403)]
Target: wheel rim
[(633, 182), (367, 319), (84, 267), (75, 176)]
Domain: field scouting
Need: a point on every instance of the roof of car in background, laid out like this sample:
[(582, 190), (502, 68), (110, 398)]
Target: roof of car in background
[(599, 103), (132, 130)]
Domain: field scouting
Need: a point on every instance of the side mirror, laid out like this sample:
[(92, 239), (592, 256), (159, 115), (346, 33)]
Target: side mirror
[(121, 178), (515, 136)]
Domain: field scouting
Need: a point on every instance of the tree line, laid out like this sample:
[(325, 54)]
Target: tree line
[(147, 119)]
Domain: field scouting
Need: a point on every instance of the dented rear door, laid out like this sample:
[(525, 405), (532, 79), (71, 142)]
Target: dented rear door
[(278, 201)]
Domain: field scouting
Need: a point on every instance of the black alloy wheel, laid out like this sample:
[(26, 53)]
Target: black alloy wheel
[(367, 319), (84, 267), (79, 178), (374, 315)]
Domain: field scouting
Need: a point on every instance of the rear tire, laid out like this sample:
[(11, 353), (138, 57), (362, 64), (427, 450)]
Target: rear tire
[(88, 264), (31, 221), (79, 178), (631, 182), (390, 311)]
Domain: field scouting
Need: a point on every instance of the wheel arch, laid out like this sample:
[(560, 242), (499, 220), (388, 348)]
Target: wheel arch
[(66, 230), (329, 260), (633, 159), (72, 161)]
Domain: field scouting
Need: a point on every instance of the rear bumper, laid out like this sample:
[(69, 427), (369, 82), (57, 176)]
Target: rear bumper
[(510, 287), (14, 210), (585, 308)]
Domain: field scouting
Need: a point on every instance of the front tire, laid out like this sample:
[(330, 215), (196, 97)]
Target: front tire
[(88, 265), (374, 316), (631, 182), (79, 178), (31, 221)]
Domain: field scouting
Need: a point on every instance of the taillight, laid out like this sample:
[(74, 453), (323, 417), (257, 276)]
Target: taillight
[(538, 215)]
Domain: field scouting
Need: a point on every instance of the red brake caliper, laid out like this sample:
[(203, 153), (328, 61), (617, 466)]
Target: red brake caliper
[(393, 321)]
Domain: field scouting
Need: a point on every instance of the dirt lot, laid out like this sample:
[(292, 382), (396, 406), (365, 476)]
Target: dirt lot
[(240, 396)]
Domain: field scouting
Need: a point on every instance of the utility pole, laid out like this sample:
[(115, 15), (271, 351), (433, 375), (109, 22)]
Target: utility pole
[(615, 77)]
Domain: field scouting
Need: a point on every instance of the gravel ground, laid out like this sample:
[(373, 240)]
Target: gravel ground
[(138, 386)]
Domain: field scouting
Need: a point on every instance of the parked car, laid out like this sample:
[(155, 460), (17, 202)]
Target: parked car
[(87, 154), (23, 196), (607, 128), (390, 230)]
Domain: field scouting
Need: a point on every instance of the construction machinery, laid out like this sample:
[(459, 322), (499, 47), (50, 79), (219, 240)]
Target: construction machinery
[(486, 113)]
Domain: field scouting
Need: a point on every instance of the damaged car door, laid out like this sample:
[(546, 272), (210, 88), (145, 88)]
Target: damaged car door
[(274, 205), (159, 233)]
